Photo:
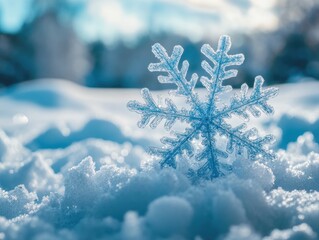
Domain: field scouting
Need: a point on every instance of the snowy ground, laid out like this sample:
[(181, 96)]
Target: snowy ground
[(73, 166)]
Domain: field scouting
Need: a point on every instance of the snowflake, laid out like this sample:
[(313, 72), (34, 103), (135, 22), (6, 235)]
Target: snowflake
[(206, 119)]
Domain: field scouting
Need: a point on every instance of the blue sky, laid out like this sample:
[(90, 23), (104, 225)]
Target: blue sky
[(111, 20), (196, 19), (13, 13)]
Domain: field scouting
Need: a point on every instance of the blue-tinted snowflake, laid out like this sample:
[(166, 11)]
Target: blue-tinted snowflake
[(206, 119)]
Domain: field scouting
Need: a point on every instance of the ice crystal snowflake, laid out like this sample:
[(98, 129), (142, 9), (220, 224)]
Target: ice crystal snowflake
[(206, 119)]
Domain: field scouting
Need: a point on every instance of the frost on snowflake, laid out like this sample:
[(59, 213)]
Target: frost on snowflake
[(206, 119)]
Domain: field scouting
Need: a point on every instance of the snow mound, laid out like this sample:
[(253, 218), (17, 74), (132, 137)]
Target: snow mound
[(83, 173)]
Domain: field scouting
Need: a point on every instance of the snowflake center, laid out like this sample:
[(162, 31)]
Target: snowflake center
[(207, 119)]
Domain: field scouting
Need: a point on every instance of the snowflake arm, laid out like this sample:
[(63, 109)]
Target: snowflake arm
[(181, 143), (242, 104), (210, 154), (153, 113), (169, 64), (218, 72), (249, 140)]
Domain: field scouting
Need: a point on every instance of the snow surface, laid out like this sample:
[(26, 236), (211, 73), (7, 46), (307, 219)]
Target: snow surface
[(73, 166)]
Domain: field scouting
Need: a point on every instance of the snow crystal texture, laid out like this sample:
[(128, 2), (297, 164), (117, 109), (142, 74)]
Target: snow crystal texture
[(77, 169), (206, 119)]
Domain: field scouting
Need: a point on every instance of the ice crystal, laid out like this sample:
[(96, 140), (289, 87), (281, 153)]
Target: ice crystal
[(206, 119)]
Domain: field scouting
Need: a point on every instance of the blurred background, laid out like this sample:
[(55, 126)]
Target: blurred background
[(107, 43)]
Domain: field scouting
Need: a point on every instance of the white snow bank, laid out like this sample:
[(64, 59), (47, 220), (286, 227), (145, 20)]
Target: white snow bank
[(73, 166)]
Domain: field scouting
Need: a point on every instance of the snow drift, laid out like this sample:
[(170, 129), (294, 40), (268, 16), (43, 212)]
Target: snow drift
[(73, 166)]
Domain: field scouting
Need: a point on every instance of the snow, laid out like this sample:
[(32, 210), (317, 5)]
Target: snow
[(73, 165)]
